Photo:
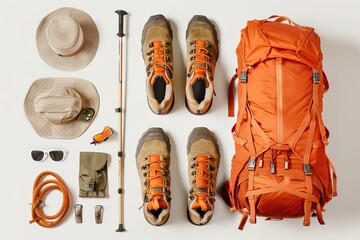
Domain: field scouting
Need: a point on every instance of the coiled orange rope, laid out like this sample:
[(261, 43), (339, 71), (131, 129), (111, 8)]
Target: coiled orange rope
[(40, 190)]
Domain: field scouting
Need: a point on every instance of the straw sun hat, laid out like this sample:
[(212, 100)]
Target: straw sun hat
[(67, 39), (54, 106)]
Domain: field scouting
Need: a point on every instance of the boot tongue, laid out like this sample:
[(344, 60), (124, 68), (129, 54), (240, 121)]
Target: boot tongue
[(156, 203), (201, 202), (199, 76), (159, 75)]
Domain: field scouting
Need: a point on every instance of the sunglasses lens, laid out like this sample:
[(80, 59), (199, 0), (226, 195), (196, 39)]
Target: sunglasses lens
[(37, 155), (56, 155)]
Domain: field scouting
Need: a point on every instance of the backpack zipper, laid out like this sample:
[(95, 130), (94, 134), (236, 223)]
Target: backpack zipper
[(279, 98)]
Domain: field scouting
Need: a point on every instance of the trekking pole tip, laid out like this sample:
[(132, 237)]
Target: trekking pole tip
[(121, 228)]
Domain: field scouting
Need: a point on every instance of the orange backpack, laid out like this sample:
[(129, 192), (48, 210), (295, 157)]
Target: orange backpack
[(280, 168)]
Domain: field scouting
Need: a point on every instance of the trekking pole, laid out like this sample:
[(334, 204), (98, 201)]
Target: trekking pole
[(119, 110)]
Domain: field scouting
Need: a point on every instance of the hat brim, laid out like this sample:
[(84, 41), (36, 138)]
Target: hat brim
[(89, 96), (80, 59)]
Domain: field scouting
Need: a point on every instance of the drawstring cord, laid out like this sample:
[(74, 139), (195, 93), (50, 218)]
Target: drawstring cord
[(40, 189)]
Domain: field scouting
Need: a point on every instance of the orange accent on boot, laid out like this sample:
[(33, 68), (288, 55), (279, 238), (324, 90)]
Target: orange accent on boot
[(159, 55), (156, 203), (199, 74), (202, 184), (156, 182), (200, 203), (201, 61)]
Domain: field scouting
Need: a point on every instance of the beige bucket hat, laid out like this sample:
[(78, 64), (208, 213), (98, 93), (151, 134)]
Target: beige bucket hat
[(53, 106), (67, 39)]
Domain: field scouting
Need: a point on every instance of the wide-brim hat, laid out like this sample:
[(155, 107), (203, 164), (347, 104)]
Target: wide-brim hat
[(54, 106), (67, 39)]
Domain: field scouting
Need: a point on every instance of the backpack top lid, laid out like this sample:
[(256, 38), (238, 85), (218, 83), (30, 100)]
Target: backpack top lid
[(263, 39)]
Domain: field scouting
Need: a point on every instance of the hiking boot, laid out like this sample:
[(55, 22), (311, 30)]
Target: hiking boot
[(153, 161), (203, 163), (156, 49), (202, 54)]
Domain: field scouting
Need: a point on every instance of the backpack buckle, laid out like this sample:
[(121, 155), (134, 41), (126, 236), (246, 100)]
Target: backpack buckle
[(251, 165), (91, 186), (316, 78), (307, 169), (243, 77)]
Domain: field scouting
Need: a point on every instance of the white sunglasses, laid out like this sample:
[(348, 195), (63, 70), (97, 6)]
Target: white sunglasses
[(56, 155)]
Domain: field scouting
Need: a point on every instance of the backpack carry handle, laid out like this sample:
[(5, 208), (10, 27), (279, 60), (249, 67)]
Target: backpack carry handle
[(280, 19)]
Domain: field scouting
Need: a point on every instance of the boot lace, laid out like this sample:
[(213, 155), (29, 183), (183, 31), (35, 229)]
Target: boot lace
[(201, 60), (157, 173), (202, 189), (159, 60)]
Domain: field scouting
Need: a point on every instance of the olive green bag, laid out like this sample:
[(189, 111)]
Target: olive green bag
[(93, 174)]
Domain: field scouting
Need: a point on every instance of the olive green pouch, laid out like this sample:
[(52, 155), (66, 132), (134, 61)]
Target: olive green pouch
[(93, 174)]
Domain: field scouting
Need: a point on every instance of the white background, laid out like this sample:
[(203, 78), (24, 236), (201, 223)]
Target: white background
[(337, 23)]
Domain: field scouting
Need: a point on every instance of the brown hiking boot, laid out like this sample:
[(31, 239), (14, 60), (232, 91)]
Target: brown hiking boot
[(202, 54), (203, 163), (156, 45), (153, 161)]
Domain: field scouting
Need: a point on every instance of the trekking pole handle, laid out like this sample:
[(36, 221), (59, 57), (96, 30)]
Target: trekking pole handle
[(121, 14)]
